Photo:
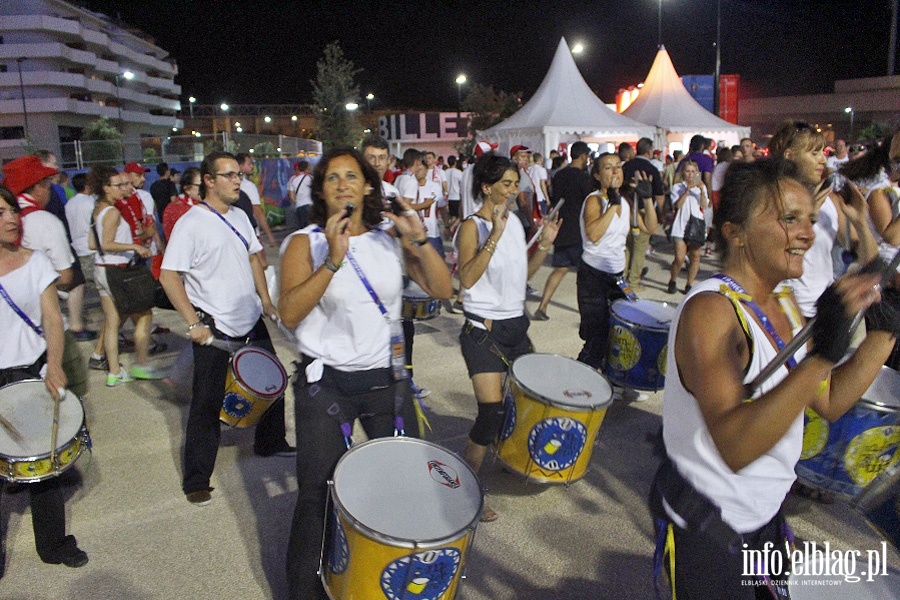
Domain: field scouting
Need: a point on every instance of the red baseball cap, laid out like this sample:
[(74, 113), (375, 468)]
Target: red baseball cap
[(22, 173), (518, 148), (483, 147), (134, 167)]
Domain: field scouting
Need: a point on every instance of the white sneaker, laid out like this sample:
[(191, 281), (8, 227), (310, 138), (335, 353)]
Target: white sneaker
[(424, 393)]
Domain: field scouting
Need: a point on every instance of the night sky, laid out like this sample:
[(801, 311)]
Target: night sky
[(264, 51)]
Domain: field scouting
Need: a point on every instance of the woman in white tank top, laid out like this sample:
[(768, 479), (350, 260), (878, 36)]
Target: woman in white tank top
[(732, 455)]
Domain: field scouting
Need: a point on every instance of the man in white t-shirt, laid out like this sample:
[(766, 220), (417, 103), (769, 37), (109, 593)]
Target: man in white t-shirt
[(538, 175), (300, 191), (214, 278), (78, 215), (248, 187), (453, 175), (841, 155)]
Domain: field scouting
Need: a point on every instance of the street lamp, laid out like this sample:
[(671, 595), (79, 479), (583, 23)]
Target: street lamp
[(128, 75), (191, 101), (22, 91), (351, 106), (659, 37), (369, 97), (578, 48), (852, 112), (460, 80), (718, 56)]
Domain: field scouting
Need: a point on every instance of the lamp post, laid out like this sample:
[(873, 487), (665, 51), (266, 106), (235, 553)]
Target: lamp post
[(460, 80), (128, 75), (351, 106), (852, 112), (191, 101), (718, 57), (369, 97), (22, 91), (659, 19)]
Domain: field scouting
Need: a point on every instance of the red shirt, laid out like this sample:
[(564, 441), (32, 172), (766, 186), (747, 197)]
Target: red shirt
[(174, 211)]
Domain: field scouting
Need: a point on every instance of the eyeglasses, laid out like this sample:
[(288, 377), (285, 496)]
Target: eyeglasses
[(119, 185), (191, 184), (230, 175)]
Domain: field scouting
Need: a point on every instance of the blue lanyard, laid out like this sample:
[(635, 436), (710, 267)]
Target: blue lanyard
[(779, 343), (20, 312), (224, 220)]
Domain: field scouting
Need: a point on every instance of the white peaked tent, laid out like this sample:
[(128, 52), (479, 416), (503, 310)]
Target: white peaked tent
[(563, 109), (666, 104)]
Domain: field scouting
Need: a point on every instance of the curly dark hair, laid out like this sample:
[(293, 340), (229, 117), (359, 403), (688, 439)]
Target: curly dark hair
[(488, 170), (373, 201), (98, 177)]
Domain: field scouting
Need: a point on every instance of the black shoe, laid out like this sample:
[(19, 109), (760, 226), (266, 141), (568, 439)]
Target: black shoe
[(72, 558), (687, 288), (286, 451), (98, 364), (540, 315), (644, 272), (671, 289), (84, 335), (199, 498)]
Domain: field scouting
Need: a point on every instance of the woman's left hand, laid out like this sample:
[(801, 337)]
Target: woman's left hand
[(856, 209), (408, 223), (551, 230)]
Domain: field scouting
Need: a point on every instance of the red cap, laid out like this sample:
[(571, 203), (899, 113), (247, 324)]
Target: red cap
[(483, 147), (518, 148), (134, 167), (22, 173)]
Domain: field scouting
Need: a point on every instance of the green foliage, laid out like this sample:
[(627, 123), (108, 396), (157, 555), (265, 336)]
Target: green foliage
[(333, 88), (101, 143), (486, 107), (264, 149), (875, 131), (150, 155)]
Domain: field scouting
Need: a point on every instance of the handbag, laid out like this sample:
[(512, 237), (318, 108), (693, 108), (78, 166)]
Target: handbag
[(695, 231), (133, 286)]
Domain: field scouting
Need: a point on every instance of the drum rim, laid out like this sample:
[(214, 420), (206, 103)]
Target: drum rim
[(389, 539), (244, 384), (642, 326), (872, 493), (556, 403), (78, 430), (82, 436)]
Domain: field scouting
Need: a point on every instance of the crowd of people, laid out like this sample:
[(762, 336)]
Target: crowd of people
[(786, 226)]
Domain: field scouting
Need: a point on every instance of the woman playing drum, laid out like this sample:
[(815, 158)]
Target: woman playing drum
[(730, 458), (342, 292), (32, 323), (493, 271)]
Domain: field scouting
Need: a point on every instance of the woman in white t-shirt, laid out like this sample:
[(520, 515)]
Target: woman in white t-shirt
[(34, 350), (350, 344), (729, 459), (690, 198), (494, 269)]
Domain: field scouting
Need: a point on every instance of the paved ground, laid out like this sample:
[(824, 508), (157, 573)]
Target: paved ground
[(590, 540)]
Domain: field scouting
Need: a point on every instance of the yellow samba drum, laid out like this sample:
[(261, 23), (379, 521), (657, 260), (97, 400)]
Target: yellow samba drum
[(403, 520), (418, 305), (254, 381), (554, 408)]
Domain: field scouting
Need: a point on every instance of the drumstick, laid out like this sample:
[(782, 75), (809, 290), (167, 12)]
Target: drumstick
[(11, 429), (550, 217), (54, 431), (226, 345), (804, 334)]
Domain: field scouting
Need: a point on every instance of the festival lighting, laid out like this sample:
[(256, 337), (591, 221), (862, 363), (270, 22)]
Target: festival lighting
[(351, 106), (578, 48)]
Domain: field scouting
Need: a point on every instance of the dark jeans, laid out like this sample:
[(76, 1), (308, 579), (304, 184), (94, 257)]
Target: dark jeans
[(303, 215), (320, 444), (596, 291), (201, 441)]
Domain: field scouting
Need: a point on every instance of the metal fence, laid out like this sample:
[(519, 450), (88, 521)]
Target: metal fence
[(182, 148)]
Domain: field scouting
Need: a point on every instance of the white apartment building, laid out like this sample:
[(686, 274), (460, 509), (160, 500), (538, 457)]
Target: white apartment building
[(62, 67)]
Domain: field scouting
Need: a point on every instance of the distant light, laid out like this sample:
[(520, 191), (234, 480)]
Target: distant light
[(294, 118), (370, 96), (351, 106), (240, 130), (578, 48), (367, 130), (461, 79), (267, 119), (224, 106), (128, 75), (251, 150), (192, 99), (174, 129), (237, 123), (278, 149), (849, 109), (197, 134)]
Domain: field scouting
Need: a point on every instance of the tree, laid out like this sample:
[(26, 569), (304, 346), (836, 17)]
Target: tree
[(486, 108), (333, 88), (101, 143)]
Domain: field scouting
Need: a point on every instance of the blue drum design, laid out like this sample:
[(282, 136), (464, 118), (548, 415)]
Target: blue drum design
[(846, 456), (638, 343), (880, 505)]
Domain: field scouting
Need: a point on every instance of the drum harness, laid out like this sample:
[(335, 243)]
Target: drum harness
[(702, 515)]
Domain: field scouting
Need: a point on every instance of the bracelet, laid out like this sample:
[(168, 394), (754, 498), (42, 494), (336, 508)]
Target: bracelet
[(333, 267), (490, 245), (193, 325), (542, 247)]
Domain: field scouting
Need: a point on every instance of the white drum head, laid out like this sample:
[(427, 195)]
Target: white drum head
[(414, 291), (407, 489), (29, 407), (649, 314), (561, 380), (260, 372), (885, 390)]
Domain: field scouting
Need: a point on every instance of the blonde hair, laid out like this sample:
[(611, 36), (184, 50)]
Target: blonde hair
[(799, 136)]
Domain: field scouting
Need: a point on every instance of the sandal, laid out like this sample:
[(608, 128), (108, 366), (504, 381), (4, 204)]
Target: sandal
[(814, 494)]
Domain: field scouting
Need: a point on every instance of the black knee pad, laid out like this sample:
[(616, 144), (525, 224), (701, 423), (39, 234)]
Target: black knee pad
[(487, 423)]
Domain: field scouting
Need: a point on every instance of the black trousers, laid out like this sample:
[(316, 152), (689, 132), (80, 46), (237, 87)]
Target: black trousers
[(201, 441), (596, 291), (320, 444)]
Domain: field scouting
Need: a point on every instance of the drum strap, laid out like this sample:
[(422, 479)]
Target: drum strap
[(468, 328), (19, 311)]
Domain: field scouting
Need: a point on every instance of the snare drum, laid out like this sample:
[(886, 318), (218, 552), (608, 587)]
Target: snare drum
[(404, 518), (554, 408), (880, 504), (28, 406), (638, 342), (418, 305), (254, 381), (845, 456)]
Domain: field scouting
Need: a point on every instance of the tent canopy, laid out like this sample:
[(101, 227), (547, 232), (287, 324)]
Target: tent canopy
[(563, 109), (665, 103)]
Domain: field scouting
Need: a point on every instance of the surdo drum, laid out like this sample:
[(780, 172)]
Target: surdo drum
[(554, 408), (417, 304), (847, 455), (254, 381), (638, 343), (28, 406), (403, 519)]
